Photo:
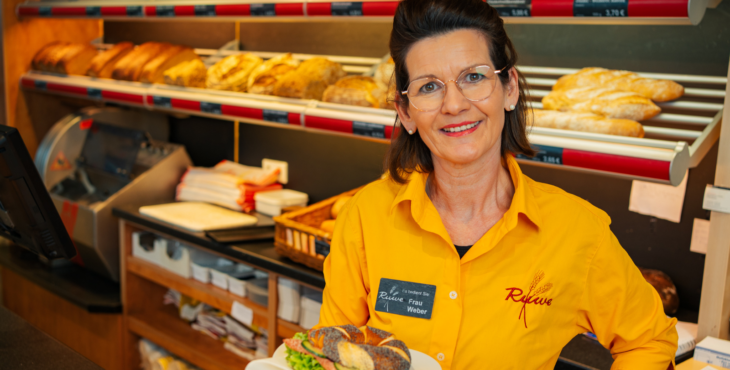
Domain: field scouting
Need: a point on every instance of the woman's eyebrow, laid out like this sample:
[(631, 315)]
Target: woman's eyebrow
[(462, 71)]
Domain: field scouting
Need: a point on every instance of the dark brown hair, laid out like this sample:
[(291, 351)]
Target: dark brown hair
[(416, 20)]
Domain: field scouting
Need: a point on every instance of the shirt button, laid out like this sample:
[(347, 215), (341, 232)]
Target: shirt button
[(453, 295), (440, 356)]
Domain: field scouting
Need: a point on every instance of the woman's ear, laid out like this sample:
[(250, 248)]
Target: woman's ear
[(405, 117), (512, 89)]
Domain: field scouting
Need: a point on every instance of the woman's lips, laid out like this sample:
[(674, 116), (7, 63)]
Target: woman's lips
[(460, 129)]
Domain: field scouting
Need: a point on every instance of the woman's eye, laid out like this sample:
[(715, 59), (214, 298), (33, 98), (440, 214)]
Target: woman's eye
[(428, 88), (474, 77)]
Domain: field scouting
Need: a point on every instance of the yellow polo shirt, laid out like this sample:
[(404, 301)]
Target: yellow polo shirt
[(548, 270)]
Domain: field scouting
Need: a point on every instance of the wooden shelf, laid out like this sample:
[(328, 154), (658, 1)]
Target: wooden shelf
[(286, 329), (208, 293), (164, 328)]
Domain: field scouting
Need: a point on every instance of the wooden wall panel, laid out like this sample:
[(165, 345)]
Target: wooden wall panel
[(95, 336), (21, 40)]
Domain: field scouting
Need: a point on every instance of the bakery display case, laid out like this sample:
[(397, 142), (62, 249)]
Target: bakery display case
[(678, 140)]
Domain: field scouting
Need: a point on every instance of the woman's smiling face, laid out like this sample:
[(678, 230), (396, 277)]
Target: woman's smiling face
[(460, 131)]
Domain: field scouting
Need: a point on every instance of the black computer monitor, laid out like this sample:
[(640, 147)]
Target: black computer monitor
[(27, 214)]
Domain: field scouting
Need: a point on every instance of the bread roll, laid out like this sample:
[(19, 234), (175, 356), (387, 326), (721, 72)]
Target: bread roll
[(657, 90), (263, 77), (384, 73), (328, 226), (153, 71), (76, 59), (130, 66), (356, 90), (663, 284), (587, 122), (322, 69), (602, 101), (339, 203), (232, 72), (103, 64), (189, 74), (41, 57), (309, 80), (50, 61)]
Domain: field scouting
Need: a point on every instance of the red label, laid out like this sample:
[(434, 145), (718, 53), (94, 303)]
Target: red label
[(116, 11), (150, 11), (86, 124), (330, 124), (245, 112), (185, 104), (319, 9), (27, 82), (233, 10), (388, 132), (289, 9), (552, 8), (28, 11), (655, 8), (77, 11), (650, 168), (124, 97), (379, 9), (66, 89), (295, 119), (185, 10)]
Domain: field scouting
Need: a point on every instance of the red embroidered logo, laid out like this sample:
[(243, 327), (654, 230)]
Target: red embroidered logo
[(532, 296)]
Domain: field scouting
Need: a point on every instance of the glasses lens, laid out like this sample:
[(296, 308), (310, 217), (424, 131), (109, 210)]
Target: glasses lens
[(477, 83), (426, 93)]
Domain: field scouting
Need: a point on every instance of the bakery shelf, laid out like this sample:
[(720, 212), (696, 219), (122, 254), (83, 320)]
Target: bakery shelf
[(208, 293), (166, 329), (676, 139), (636, 12)]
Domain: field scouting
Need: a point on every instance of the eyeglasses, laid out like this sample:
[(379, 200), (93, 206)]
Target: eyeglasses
[(476, 83)]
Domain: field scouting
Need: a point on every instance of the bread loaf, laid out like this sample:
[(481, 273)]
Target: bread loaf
[(657, 90), (76, 59), (40, 59), (130, 66), (587, 122), (356, 90), (189, 74), (309, 80), (153, 71), (602, 101), (232, 72), (103, 64), (263, 77)]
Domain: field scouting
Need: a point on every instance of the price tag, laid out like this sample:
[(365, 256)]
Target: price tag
[(513, 11), (242, 313), (368, 129), (321, 247), (263, 10), (205, 10), (716, 199), (93, 11), (134, 11), (600, 8), (44, 11), (165, 10), (40, 85), (276, 116), (162, 101), (93, 93), (546, 154), (347, 9), (211, 108)]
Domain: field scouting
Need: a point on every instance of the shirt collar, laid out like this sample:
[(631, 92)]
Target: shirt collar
[(523, 201)]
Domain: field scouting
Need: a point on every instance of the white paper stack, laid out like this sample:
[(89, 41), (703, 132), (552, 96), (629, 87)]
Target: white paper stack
[(289, 300), (687, 332), (227, 184), (311, 304)]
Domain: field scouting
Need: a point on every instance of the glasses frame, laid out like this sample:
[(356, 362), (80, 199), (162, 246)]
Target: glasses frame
[(446, 86)]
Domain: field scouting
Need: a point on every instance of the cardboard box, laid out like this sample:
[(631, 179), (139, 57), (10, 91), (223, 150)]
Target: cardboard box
[(713, 351)]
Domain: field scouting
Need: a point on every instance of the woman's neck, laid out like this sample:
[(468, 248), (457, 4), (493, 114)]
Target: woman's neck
[(472, 192)]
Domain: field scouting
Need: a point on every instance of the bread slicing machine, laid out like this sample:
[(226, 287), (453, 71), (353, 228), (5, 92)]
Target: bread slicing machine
[(103, 158)]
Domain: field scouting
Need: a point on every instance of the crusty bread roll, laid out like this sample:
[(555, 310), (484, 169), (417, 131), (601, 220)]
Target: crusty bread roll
[(606, 102), (322, 69), (657, 90), (309, 80), (263, 77), (130, 66), (153, 71), (587, 122), (665, 287), (232, 72), (76, 59), (384, 72), (103, 64), (356, 90), (339, 203), (190, 74), (50, 61), (41, 57)]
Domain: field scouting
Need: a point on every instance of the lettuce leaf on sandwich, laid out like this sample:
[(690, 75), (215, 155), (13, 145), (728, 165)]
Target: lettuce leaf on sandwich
[(301, 361)]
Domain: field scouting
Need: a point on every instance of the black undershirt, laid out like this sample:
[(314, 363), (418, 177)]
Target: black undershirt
[(462, 250)]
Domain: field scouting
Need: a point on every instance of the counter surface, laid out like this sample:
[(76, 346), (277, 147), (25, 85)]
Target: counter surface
[(24, 347)]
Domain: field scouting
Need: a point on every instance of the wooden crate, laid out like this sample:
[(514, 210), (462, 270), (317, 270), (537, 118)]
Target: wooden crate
[(298, 235)]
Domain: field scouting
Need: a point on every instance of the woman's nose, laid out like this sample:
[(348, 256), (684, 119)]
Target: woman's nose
[(454, 101)]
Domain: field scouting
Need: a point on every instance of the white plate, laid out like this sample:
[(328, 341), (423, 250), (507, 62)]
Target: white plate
[(419, 361)]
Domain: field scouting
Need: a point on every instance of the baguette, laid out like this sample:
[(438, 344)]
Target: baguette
[(602, 101), (130, 66), (103, 64), (356, 90), (190, 74), (76, 59), (232, 72), (153, 71), (263, 77), (50, 61), (586, 122), (40, 58), (657, 90)]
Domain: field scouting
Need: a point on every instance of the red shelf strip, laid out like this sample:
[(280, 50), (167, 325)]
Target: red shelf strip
[(650, 168)]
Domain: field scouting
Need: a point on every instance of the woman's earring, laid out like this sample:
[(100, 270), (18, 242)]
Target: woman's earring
[(410, 132), (512, 107)]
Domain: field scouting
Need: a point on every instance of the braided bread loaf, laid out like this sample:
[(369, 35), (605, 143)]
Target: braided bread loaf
[(364, 348)]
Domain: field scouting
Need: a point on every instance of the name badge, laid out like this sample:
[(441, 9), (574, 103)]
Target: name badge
[(405, 298)]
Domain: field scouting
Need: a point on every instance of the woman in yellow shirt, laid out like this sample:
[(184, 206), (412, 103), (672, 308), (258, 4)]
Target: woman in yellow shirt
[(457, 252)]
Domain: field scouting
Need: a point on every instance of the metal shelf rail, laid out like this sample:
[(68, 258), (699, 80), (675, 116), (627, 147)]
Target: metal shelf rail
[(514, 11), (675, 141)]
